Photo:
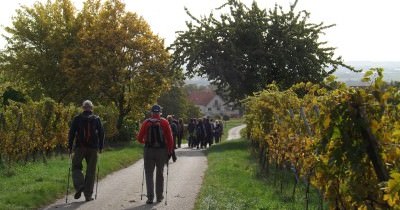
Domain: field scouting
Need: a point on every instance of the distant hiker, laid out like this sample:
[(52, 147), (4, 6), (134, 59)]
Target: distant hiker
[(155, 133), (192, 134), (209, 127), (180, 132), (200, 134), (174, 128), (218, 131), (88, 131)]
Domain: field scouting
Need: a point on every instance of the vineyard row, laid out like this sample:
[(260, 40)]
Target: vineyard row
[(343, 140)]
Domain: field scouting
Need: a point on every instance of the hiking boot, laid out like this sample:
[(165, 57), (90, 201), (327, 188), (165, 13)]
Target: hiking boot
[(78, 193), (160, 199), (89, 199), (149, 201)]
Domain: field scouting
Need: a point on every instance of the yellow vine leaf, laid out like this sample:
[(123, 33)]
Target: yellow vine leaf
[(396, 134), (327, 121), (374, 126), (385, 96)]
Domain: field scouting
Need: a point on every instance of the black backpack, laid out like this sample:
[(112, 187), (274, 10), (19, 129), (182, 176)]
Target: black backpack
[(87, 130), (174, 128), (155, 137)]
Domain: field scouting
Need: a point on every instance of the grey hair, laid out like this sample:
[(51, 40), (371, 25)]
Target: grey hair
[(87, 104)]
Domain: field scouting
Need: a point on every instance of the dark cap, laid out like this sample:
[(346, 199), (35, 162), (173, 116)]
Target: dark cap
[(156, 108)]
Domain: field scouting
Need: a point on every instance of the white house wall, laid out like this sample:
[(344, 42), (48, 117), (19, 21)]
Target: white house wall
[(217, 107)]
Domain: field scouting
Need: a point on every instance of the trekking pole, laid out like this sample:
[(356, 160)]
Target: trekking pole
[(69, 174), (166, 187), (97, 177), (141, 193)]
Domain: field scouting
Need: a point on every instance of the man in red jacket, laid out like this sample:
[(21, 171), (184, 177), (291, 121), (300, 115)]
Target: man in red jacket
[(155, 134)]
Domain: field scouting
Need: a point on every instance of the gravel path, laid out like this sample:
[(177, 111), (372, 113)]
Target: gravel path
[(234, 133), (121, 189)]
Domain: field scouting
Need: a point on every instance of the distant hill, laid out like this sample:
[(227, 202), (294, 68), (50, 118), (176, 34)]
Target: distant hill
[(391, 73), (199, 81)]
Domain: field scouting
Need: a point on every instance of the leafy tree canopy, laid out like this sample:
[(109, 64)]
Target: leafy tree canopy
[(102, 52), (247, 48)]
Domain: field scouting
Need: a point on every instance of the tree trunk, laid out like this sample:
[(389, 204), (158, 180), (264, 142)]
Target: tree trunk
[(122, 111)]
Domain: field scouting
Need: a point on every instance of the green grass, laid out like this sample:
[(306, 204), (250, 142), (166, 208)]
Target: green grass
[(233, 181), (37, 184)]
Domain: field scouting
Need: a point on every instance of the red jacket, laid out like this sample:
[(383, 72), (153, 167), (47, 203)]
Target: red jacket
[(166, 132)]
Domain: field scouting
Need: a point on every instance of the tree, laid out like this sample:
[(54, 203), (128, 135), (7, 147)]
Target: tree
[(35, 46), (117, 59), (248, 48), (102, 53)]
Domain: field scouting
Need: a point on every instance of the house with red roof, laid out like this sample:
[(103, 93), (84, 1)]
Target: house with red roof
[(211, 104)]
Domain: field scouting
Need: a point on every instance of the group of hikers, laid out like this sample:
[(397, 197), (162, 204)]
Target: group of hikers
[(201, 132), (204, 131), (160, 137)]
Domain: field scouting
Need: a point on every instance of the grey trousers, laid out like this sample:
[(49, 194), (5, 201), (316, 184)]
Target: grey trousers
[(86, 181), (155, 158)]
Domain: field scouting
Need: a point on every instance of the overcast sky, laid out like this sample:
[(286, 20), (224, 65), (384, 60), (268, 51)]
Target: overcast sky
[(365, 29)]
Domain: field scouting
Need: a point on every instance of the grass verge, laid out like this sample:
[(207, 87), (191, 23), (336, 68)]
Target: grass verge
[(37, 184), (233, 181)]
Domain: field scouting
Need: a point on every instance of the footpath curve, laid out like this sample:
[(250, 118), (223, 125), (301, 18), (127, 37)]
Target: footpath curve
[(234, 133)]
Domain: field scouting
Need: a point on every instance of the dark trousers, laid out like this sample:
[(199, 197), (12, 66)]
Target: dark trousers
[(179, 140), (217, 138), (84, 181), (155, 158), (191, 140), (199, 141), (210, 139), (203, 142), (174, 137)]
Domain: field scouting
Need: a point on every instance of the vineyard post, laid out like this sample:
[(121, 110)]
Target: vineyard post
[(296, 180), (316, 109), (261, 153), (310, 133), (308, 190), (291, 114), (321, 201), (306, 123), (372, 145), (279, 167), (264, 163)]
